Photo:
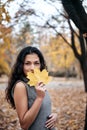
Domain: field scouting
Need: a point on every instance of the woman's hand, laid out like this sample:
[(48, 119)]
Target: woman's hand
[(52, 119), (40, 89)]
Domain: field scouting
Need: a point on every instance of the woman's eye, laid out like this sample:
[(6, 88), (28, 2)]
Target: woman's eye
[(27, 63), (37, 63)]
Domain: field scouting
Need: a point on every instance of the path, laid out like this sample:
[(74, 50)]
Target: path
[(55, 83)]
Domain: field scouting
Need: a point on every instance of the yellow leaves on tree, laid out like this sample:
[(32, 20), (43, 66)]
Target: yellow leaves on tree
[(4, 67), (4, 16), (5, 36), (4, 30), (58, 53), (5, 47), (38, 76)]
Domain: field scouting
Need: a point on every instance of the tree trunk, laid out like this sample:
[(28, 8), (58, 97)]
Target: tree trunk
[(85, 78), (85, 82), (84, 71)]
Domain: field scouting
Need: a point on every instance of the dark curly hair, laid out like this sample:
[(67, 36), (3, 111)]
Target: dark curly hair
[(17, 70)]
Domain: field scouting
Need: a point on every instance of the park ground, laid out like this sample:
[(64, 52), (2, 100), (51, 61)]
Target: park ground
[(68, 101)]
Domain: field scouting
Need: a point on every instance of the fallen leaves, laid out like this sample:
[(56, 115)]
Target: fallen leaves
[(69, 103), (8, 116)]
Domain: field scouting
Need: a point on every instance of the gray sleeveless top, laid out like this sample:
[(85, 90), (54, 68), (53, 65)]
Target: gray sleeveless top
[(45, 110)]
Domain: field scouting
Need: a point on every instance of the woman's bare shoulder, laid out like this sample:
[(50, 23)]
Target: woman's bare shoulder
[(20, 85)]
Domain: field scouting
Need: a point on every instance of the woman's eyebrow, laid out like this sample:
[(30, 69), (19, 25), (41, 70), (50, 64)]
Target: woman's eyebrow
[(33, 61)]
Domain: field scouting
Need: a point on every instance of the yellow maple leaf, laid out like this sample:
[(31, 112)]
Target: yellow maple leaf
[(38, 76)]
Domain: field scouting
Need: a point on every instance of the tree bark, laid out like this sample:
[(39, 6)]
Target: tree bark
[(77, 13), (84, 71)]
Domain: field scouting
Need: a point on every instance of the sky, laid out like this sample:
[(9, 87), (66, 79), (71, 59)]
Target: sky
[(42, 8)]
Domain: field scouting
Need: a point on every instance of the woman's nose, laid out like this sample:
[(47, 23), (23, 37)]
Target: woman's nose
[(32, 67)]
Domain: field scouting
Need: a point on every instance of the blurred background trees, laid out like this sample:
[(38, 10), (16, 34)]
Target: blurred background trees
[(53, 33)]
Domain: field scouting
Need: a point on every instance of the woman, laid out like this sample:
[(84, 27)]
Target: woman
[(32, 104)]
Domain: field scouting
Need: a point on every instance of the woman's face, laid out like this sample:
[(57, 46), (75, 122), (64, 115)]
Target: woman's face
[(31, 61)]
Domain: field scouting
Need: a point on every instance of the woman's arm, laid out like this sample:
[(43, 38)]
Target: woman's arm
[(27, 117)]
